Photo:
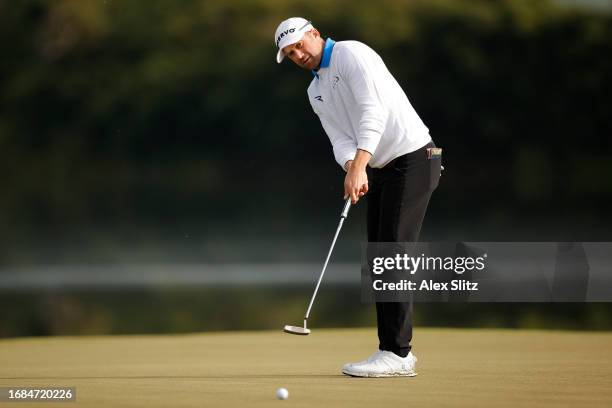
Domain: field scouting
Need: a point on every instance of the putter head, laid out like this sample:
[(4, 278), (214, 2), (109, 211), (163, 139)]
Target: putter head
[(300, 331)]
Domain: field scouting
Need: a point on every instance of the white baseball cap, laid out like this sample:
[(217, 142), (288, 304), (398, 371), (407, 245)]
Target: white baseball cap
[(289, 32)]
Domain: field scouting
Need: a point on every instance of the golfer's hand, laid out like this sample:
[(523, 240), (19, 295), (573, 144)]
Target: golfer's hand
[(355, 183)]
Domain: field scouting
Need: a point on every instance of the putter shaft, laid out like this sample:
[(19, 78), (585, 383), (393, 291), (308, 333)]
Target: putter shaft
[(343, 216)]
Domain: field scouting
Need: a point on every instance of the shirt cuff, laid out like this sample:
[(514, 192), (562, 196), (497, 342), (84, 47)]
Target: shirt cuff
[(369, 141), (342, 160)]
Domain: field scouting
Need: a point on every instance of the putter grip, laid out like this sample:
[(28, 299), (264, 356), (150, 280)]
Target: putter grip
[(347, 206)]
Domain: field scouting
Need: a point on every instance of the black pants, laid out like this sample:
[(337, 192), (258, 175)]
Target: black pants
[(397, 201)]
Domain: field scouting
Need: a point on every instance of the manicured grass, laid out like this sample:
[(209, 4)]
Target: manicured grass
[(457, 367)]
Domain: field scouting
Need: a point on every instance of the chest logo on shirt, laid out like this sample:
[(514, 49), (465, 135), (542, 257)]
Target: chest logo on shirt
[(319, 98), (335, 81)]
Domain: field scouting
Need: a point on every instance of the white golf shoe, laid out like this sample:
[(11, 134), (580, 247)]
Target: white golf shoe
[(348, 366), (383, 364)]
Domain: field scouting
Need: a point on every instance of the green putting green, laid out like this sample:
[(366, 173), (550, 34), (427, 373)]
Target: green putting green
[(457, 367)]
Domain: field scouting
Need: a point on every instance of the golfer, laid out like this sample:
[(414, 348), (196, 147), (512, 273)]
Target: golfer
[(386, 151)]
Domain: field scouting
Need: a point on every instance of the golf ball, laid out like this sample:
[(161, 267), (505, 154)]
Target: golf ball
[(282, 394)]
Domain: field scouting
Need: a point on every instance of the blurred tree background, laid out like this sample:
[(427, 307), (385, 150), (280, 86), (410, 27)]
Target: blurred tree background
[(164, 131)]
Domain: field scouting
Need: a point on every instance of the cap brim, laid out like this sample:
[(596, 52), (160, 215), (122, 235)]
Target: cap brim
[(280, 56)]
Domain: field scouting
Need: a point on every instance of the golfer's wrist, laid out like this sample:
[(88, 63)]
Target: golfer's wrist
[(361, 160), (357, 166)]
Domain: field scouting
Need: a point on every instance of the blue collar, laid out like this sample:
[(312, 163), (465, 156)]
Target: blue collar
[(327, 52)]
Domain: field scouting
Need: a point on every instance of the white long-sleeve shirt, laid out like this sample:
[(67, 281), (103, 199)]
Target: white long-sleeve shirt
[(361, 106)]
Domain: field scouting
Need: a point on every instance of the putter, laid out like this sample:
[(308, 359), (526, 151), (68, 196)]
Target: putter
[(303, 331)]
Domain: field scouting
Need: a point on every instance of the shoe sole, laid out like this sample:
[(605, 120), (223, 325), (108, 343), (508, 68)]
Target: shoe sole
[(382, 375)]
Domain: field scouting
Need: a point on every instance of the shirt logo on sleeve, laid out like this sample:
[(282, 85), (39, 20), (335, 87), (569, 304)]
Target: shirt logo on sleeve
[(319, 98)]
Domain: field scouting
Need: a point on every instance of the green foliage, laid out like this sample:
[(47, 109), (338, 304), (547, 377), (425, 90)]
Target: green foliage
[(147, 115), (181, 309)]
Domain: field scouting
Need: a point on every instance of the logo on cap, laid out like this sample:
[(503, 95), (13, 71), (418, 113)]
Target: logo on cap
[(284, 33)]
